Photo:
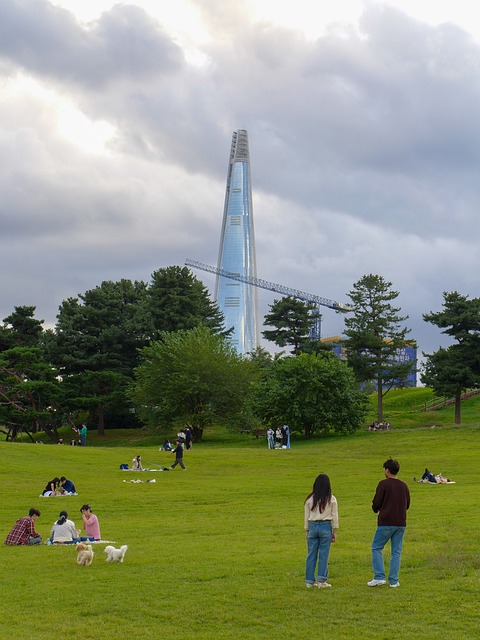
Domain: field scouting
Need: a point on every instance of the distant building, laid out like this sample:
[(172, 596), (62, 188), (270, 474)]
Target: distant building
[(407, 353), (238, 300)]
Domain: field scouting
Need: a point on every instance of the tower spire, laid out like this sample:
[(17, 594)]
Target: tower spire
[(238, 300)]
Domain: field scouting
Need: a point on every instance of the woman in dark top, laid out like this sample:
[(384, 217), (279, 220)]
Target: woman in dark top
[(51, 488)]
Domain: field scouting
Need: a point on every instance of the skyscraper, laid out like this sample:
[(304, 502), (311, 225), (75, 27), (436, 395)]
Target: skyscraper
[(237, 300)]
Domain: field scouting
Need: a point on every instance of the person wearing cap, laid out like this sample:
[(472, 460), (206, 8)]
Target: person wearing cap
[(90, 524), (178, 451)]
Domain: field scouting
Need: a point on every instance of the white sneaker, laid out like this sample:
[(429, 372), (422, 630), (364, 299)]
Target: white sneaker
[(376, 583), (309, 585), (395, 585), (321, 585)]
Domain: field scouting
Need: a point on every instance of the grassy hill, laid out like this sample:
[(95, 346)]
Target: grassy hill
[(399, 409), (218, 552), (399, 404)]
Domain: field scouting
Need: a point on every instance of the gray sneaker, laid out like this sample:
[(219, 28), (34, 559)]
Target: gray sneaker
[(376, 583)]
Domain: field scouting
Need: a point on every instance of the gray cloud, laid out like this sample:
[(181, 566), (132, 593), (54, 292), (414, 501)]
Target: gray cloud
[(364, 148), (124, 44)]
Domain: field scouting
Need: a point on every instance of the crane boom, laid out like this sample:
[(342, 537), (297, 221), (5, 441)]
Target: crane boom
[(271, 286)]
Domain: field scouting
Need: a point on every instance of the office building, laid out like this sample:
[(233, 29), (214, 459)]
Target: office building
[(238, 300)]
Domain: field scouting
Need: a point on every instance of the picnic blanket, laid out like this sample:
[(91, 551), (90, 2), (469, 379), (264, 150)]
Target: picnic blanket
[(56, 495)]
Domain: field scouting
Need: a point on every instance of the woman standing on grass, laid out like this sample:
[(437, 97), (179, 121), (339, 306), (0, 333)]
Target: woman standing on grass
[(321, 524)]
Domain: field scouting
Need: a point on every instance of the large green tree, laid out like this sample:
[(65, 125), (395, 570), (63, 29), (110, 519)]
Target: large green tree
[(178, 301), (374, 336), (95, 346), (292, 320), (190, 377), (21, 328), (29, 393), (452, 370), (312, 393)]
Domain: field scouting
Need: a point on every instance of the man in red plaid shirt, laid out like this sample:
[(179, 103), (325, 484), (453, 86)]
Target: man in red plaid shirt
[(23, 531)]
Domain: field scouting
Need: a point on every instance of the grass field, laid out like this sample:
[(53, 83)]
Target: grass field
[(218, 551)]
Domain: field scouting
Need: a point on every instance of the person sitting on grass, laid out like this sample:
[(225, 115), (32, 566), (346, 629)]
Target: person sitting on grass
[(64, 531), (90, 524), (23, 531), (51, 488), (137, 464), (66, 486)]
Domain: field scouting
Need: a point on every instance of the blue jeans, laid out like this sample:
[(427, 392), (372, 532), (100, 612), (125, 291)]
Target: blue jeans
[(380, 539), (319, 540)]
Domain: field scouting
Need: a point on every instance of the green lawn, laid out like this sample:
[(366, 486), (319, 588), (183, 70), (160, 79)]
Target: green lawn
[(218, 551), (398, 409)]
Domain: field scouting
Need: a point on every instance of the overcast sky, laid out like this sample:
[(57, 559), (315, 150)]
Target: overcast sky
[(364, 129)]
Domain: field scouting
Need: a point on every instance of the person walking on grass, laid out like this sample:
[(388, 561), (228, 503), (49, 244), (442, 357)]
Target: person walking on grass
[(178, 451), (321, 524), (391, 502)]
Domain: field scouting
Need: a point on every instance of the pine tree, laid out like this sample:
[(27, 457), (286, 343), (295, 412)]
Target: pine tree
[(452, 370), (374, 336), (293, 320)]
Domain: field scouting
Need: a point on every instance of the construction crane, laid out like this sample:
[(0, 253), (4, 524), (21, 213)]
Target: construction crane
[(277, 288)]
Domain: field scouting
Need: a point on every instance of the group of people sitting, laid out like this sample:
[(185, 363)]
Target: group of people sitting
[(380, 426), (63, 530), (58, 487), (430, 478)]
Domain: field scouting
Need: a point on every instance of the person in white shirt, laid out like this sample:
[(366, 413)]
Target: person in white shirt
[(321, 524), (64, 531)]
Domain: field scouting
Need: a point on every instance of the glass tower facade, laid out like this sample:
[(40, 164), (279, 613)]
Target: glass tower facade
[(238, 300)]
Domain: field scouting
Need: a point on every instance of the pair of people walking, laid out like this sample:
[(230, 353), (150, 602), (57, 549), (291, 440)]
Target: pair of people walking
[(391, 502)]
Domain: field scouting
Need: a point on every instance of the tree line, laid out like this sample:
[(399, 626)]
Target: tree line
[(156, 354)]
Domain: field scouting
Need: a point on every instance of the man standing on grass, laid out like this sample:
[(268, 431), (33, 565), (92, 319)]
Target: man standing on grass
[(23, 531), (391, 501), (83, 435)]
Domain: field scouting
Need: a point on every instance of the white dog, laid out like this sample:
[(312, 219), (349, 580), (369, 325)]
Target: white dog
[(84, 554), (116, 555)]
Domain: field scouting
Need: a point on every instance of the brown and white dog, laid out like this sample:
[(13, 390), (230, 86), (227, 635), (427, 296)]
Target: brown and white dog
[(84, 554)]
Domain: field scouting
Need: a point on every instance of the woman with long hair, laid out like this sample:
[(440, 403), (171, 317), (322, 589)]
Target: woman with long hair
[(52, 487), (64, 531), (321, 524)]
